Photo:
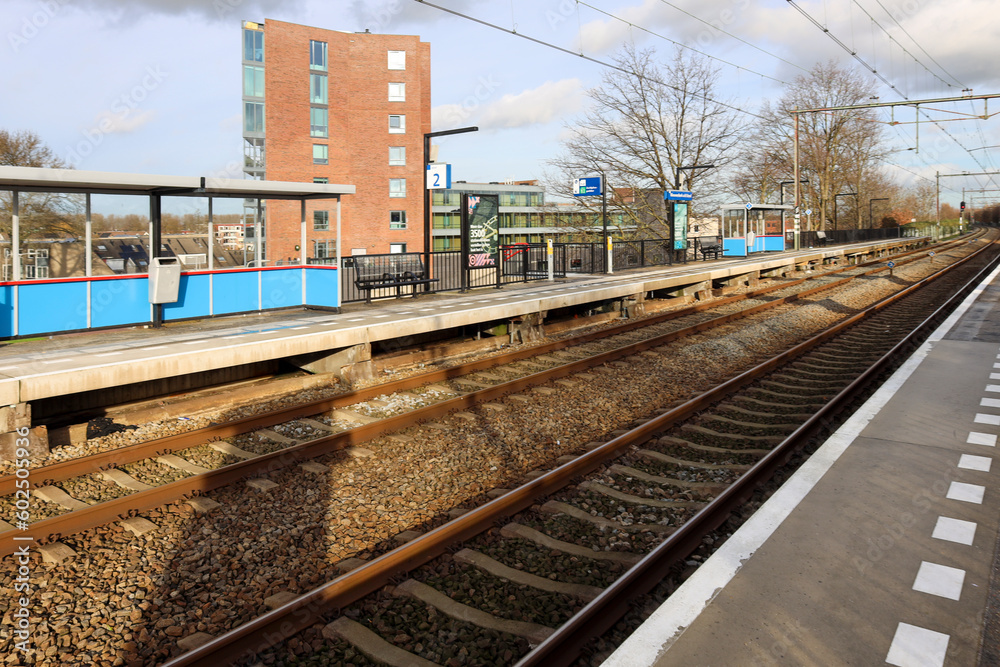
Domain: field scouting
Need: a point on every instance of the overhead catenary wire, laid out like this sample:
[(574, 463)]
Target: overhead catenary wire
[(596, 61), (673, 41)]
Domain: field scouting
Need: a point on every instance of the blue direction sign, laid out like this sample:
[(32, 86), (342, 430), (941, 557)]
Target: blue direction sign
[(677, 195), (587, 187)]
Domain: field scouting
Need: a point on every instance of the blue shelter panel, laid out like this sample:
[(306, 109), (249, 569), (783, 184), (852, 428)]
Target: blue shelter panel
[(773, 243), (192, 298), (734, 247), (119, 301), (49, 307), (235, 292), (6, 310), (323, 287), (281, 288)]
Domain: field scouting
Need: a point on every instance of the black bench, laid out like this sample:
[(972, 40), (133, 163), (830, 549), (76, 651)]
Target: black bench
[(820, 238), (713, 247), (387, 271)]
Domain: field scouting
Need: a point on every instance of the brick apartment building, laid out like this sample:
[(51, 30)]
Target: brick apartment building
[(337, 107)]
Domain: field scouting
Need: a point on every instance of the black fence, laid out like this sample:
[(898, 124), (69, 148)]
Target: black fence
[(525, 262)]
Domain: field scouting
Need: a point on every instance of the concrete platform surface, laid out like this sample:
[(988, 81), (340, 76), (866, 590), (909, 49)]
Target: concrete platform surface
[(60, 365), (879, 550)]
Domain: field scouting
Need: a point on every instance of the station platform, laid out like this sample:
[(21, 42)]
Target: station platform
[(882, 548), (62, 365)]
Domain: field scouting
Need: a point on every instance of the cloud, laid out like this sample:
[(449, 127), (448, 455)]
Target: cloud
[(550, 101), (216, 10), (123, 121), (382, 16)]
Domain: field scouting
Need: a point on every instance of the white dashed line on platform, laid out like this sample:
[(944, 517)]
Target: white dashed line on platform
[(970, 462), (990, 403), (993, 420), (58, 361), (155, 347), (298, 328), (107, 354), (232, 337), (954, 530), (356, 319), (940, 580), (967, 493), (986, 439), (913, 646)]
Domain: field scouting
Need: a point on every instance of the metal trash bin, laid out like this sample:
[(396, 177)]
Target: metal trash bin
[(164, 280)]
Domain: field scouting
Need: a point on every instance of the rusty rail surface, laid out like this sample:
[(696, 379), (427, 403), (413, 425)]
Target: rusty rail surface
[(112, 510), (268, 630)]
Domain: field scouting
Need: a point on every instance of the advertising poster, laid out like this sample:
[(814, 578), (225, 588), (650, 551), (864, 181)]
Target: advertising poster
[(680, 225), (482, 230)]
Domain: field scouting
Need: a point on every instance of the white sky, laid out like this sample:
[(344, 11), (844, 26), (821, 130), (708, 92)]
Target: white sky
[(154, 86)]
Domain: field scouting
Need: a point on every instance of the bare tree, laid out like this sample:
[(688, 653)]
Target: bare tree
[(646, 124), (41, 215), (840, 152)]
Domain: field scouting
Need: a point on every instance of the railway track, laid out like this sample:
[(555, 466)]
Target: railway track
[(620, 530), (99, 489)]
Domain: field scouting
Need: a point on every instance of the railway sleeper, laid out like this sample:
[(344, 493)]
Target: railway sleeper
[(517, 530), (432, 597), (372, 645), (744, 413), (797, 400), (764, 429), (498, 569), (660, 457), (667, 440), (700, 488), (692, 429), (602, 523), (606, 490), (801, 388), (838, 379), (783, 409)]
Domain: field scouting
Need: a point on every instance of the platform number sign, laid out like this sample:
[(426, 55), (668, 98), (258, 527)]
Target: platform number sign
[(438, 176)]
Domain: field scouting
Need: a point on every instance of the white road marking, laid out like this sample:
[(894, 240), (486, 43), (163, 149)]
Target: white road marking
[(990, 403), (155, 347), (58, 361), (993, 387), (939, 580), (987, 439), (954, 530), (968, 493), (913, 646), (970, 462), (993, 420)]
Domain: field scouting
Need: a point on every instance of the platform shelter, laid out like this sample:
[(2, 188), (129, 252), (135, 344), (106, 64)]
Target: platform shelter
[(749, 228), (35, 304)]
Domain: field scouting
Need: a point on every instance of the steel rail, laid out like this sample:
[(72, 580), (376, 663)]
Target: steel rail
[(598, 616), (257, 635), (97, 515), (131, 453)]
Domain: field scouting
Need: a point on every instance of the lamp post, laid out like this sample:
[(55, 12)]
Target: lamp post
[(427, 193), (781, 188), (842, 194), (871, 220)]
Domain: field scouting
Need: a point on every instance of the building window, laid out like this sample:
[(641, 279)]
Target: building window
[(397, 124), (397, 60), (321, 221), (397, 92), (321, 180), (324, 249), (397, 156), (397, 219), (321, 154), (317, 88), (397, 187), (253, 117), (397, 248), (253, 45), (317, 55), (318, 122), (253, 81)]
